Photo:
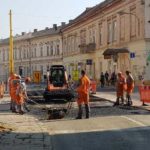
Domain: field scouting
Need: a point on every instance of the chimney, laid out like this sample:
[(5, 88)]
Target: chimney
[(35, 30), (55, 26), (63, 24), (46, 28), (88, 8), (23, 33), (70, 21)]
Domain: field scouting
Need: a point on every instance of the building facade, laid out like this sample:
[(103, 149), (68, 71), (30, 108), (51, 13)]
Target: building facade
[(33, 52), (111, 36)]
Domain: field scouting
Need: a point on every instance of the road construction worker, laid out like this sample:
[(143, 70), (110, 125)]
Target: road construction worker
[(83, 93), (20, 97), (120, 85), (24, 88), (130, 87), (21, 93), (12, 91)]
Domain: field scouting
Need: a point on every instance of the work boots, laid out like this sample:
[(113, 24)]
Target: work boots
[(117, 102), (20, 109), (79, 112), (87, 111)]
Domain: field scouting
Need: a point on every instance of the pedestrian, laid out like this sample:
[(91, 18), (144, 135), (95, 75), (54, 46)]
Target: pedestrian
[(113, 78), (130, 87), (121, 81), (83, 93), (107, 78), (102, 80)]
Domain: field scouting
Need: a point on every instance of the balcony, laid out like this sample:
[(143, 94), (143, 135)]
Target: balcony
[(87, 48)]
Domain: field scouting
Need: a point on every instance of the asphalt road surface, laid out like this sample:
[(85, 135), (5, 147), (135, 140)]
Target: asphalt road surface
[(109, 128)]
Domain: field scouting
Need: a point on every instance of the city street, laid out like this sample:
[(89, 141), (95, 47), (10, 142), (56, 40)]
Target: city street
[(121, 128)]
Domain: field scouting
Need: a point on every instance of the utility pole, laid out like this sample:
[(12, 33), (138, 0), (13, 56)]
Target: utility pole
[(11, 56)]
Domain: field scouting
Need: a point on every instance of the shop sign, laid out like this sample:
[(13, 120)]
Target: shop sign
[(75, 75), (132, 55), (37, 76)]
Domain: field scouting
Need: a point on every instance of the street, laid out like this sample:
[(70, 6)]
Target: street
[(119, 128)]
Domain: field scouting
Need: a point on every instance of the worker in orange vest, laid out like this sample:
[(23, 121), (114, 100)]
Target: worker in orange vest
[(83, 93), (24, 90), (130, 87), (12, 91), (120, 87), (20, 97)]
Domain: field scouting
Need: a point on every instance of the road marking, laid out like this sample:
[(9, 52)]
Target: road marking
[(137, 122)]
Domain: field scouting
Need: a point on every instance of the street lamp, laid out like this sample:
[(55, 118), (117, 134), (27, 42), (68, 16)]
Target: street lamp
[(122, 13)]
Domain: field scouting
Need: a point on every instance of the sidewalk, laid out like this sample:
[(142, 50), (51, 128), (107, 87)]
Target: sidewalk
[(23, 132), (109, 93)]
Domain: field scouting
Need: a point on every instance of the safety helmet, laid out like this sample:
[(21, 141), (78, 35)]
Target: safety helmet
[(18, 77), (27, 79)]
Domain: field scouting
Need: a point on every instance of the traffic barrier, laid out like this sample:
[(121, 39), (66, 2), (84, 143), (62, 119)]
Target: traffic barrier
[(93, 87), (144, 93), (1, 90)]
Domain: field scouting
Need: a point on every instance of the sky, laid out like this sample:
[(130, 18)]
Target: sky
[(28, 15)]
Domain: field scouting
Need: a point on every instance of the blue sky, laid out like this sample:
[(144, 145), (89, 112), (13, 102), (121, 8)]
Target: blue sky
[(38, 14)]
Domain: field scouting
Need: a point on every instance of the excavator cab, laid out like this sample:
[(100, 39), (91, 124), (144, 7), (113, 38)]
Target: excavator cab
[(57, 85), (57, 76)]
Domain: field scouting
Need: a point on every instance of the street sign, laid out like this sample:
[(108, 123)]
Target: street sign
[(132, 55), (37, 76)]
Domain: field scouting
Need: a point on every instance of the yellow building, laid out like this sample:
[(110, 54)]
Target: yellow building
[(111, 36)]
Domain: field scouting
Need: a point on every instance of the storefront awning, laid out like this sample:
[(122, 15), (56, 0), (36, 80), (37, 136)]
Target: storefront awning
[(114, 51)]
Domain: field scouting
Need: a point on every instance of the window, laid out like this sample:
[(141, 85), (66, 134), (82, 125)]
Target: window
[(100, 34), (34, 52), (114, 30), (47, 50), (3, 55), (15, 54), (51, 49), (83, 36), (132, 22), (122, 27), (20, 53), (41, 51), (92, 34), (57, 49), (24, 53), (69, 44), (109, 32), (65, 46), (42, 70)]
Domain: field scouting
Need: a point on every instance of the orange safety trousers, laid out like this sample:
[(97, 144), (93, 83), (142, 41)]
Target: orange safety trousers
[(19, 95), (130, 88), (83, 98), (83, 91), (120, 87)]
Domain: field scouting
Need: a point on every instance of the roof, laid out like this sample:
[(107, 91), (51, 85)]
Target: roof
[(113, 51), (30, 35), (91, 12)]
